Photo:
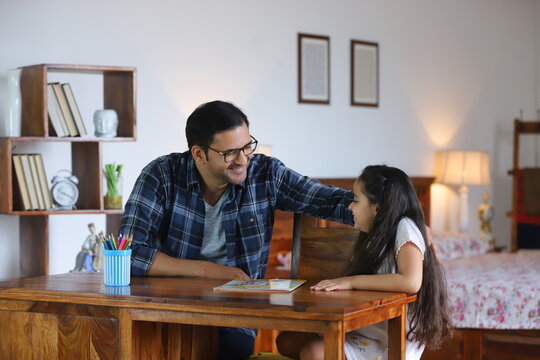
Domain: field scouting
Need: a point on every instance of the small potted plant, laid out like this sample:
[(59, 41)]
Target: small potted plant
[(113, 176)]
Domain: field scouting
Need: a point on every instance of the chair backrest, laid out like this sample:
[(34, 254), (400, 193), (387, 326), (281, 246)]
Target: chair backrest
[(320, 252)]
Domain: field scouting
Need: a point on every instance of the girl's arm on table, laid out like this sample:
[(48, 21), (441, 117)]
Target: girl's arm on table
[(408, 278)]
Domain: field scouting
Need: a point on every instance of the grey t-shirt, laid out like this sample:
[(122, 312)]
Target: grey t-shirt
[(213, 247)]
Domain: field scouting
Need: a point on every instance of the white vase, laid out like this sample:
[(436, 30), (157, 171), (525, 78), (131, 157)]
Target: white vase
[(13, 105)]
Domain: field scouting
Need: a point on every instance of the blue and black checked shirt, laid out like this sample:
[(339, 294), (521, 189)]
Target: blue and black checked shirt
[(165, 211)]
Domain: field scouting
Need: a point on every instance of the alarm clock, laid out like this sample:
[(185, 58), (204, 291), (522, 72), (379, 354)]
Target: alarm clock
[(64, 190)]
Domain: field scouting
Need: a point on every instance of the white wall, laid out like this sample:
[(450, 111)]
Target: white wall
[(453, 74)]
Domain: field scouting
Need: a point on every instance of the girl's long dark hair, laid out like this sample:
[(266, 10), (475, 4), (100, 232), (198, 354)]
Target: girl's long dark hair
[(393, 192)]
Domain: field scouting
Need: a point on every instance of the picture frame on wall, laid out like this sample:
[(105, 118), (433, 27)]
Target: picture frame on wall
[(364, 73), (313, 69)]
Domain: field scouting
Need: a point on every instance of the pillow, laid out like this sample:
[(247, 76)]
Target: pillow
[(451, 245)]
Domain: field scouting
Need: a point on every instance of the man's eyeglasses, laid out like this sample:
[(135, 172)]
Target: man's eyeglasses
[(233, 154)]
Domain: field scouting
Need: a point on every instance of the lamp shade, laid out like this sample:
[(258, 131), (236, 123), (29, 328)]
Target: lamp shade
[(462, 168)]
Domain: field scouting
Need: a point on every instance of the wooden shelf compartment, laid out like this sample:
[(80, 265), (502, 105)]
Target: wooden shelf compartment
[(119, 93), (34, 242), (86, 165)]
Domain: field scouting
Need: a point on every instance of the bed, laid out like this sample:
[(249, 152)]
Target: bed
[(495, 300)]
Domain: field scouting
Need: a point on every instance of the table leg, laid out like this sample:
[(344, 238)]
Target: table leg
[(125, 334), (334, 338), (396, 335)]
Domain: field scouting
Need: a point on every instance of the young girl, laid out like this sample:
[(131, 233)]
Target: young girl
[(394, 257)]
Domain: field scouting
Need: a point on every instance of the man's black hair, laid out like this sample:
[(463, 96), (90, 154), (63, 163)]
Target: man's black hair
[(211, 118)]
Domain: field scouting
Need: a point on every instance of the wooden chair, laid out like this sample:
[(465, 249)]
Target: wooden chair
[(320, 250)]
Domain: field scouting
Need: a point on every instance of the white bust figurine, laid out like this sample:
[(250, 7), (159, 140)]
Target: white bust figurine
[(105, 123), (485, 214)]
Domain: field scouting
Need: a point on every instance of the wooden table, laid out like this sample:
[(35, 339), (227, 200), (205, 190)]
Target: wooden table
[(75, 316)]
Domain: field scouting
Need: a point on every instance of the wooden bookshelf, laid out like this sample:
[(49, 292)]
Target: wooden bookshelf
[(119, 93)]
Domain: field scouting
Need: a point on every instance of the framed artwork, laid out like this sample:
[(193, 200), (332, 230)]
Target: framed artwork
[(313, 69), (364, 73)]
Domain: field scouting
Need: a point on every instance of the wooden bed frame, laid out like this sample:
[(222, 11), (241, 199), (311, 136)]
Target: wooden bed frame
[(466, 344), (520, 128), (488, 344)]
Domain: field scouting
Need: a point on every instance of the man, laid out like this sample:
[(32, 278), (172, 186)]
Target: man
[(209, 212)]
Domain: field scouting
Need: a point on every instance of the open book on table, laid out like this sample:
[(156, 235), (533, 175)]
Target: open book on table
[(281, 285)]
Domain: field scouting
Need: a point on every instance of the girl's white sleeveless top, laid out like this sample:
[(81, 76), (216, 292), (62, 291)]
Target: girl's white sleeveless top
[(407, 231)]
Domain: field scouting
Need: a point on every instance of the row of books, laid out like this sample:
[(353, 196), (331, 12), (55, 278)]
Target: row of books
[(33, 188), (64, 114)]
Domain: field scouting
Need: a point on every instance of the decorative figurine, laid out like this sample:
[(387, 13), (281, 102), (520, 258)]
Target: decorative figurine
[(485, 214), (90, 258), (97, 264), (105, 123)]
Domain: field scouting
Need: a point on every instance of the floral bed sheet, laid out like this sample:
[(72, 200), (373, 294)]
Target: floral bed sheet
[(495, 290)]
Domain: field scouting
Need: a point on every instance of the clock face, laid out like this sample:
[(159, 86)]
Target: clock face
[(65, 194)]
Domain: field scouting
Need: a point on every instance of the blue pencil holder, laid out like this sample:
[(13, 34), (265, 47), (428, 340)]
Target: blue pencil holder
[(117, 267)]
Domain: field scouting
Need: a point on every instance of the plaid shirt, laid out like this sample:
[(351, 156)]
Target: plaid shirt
[(165, 211)]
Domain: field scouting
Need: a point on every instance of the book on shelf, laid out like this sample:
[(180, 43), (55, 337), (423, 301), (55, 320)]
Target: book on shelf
[(34, 205), (55, 113), (32, 182), (35, 180), (64, 107), (264, 285), (74, 108), (45, 190), (23, 188)]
